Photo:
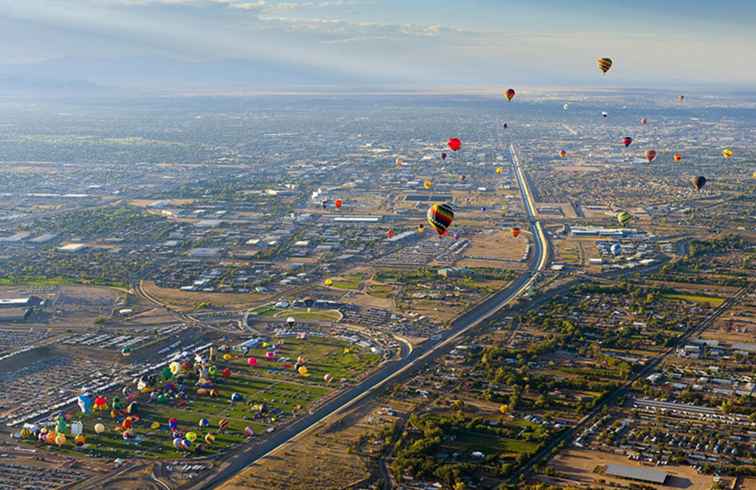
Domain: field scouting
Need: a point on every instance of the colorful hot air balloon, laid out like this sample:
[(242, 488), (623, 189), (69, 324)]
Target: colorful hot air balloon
[(516, 231), (623, 217), (222, 425), (562, 153), (509, 94), (727, 153), (627, 141), (80, 440), (454, 144), (203, 423), (677, 156), (650, 155), (209, 439), (644, 121), (440, 217), (698, 182), (604, 64), (338, 203), (328, 377), (427, 184)]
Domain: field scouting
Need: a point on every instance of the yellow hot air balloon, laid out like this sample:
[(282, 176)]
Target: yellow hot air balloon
[(191, 436), (227, 357), (209, 439), (727, 153), (499, 170), (328, 282), (753, 175), (427, 184), (60, 439), (303, 371), (604, 64), (562, 153), (623, 217)]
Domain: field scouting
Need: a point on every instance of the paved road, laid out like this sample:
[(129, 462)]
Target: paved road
[(402, 369)]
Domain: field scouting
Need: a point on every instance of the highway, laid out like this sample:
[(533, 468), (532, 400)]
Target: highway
[(401, 369)]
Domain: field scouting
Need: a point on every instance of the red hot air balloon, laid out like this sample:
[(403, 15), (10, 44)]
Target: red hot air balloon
[(339, 203), (515, 232), (627, 141), (455, 144), (510, 94), (390, 233), (677, 157), (650, 155)]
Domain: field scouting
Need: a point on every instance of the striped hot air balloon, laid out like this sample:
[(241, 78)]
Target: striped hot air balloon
[(623, 217), (440, 217), (604, 64), (222, 425), (727, 153)]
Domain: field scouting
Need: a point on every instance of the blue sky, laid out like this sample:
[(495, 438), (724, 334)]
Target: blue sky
[(409, 43)]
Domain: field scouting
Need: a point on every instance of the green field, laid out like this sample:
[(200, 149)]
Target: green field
[(348, 281), (694, 298), (270, 384), (380, 290), (304, 315)]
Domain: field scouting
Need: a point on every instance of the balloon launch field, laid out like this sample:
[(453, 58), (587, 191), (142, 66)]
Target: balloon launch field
[(201, 407)]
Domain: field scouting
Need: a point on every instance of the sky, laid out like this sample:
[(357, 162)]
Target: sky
[(396, 43)]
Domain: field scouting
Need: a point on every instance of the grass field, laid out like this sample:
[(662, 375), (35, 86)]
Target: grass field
[(380, 290), (304, 315), (696, 298), (348, 281), (271, 392)]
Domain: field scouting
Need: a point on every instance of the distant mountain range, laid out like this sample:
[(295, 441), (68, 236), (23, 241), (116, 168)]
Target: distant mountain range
[(163, 75)]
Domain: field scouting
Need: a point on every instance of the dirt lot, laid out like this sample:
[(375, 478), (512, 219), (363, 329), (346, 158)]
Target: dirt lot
[(186, 300), (575, 467), (498, 249), (324, 459)]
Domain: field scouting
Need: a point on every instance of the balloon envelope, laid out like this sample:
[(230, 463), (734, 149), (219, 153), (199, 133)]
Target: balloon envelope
[(627, 140), (604, 64), (510, 93), (650, 155), (440, 217), (698, 182), (454, 144)]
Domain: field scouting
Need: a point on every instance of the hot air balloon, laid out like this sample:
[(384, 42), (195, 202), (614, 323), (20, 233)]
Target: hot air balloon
[(727, 153), (249, 431), (390, 233), (328, 282), (303, 371), (462, 178), (126, 351), (566, 106), (328, 377), (155, 425), (324, 203), (427, 184), (421, 229), (650, 155), (499, 170), (443, 156), (516, 231), (698, 182), (172, 424), (398, 162), (604, 114), (623, 217), (270, 356), (60, 439), (440, 217), (509, 94), (604, 64), (80, 440), (235, 397), (338, 203), (209, 439), (251, 362), (100, 403), (644, 121), (85, 403), (77, 428), (454, 144), (681, 98), (677, 157), (222, 425), (562, 153), (191, 436), (99, 428), (506, 125), (627, 141)]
